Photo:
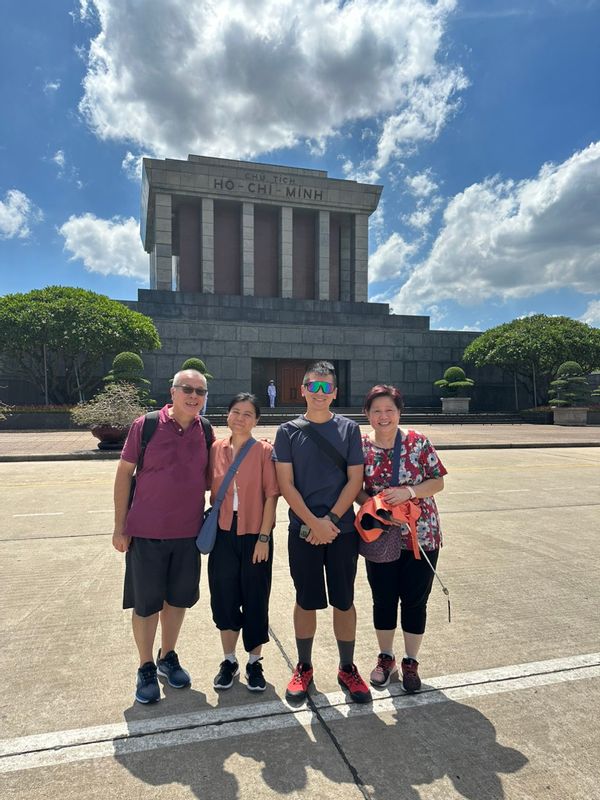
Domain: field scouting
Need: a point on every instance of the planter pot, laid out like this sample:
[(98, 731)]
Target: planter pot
[(455, 405), (570, 416), (111, 438)]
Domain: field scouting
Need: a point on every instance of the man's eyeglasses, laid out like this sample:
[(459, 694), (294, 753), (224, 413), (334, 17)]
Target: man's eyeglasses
[(325, 386), (190, 389)]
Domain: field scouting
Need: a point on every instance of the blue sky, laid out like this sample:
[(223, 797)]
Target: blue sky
[(480, 118)]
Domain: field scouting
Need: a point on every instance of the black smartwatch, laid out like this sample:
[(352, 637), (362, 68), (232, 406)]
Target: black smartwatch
[(264, 537), (333, 517)]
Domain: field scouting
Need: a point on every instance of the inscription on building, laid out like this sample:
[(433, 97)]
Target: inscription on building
[(277, 186)]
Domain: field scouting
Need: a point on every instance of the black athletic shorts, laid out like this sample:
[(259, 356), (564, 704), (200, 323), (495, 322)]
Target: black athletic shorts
[(159, 570), (323, 571)]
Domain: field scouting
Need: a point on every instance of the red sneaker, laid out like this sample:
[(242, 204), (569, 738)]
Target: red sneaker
[(349, 679), (297, 688), (410, 675)]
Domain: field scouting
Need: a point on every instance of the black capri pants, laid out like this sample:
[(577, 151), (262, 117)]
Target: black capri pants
[(239, 589), (408, 581)]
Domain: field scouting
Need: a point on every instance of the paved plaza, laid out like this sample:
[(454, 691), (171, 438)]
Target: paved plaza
[(511, 685)]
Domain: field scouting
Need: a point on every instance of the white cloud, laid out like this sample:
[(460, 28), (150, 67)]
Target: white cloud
[(592, 314), (507, 239), (421, 184), (132, 166), (390, 258), (17, 214), (51, 86), (59, 159), (108, 246), (241, 77)]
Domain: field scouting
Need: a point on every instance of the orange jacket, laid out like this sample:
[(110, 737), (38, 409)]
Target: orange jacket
[(376, 514)]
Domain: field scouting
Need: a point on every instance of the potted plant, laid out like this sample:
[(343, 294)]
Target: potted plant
[(129, 368), (110, 413), (569, 395), (456, 390)]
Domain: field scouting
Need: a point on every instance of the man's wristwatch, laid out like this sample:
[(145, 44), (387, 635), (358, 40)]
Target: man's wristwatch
[(333, 517), (264, 537)]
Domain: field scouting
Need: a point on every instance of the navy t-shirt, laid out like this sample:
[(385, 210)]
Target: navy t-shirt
[(317, 478)]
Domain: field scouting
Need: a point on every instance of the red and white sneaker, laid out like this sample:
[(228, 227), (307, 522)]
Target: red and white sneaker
[(349, 679), (297, 688), (410, 675), (382, 674)]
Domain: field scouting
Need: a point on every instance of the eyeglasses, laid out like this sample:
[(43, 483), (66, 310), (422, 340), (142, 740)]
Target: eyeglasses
[(325, 386), (190, 389)]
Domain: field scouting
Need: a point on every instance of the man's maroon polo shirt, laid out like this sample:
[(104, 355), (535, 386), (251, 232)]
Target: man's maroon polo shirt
[(169, 494)]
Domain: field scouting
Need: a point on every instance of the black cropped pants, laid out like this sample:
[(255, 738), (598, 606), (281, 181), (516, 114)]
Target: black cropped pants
[(407, 581)]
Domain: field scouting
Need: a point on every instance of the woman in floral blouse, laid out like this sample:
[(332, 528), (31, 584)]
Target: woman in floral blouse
[(394, 574)]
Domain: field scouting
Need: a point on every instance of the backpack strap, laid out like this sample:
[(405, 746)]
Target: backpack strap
[(209, 433), (149, 427)]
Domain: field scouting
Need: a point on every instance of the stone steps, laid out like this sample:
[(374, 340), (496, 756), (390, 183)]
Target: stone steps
[(410, 416)]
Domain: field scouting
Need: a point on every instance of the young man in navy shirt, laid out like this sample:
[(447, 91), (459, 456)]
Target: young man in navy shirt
[(322, 540)]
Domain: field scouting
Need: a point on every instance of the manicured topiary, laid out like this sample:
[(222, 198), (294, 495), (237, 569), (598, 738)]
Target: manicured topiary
[(455, 383), (570, 387), (198, 365), (129, 368)]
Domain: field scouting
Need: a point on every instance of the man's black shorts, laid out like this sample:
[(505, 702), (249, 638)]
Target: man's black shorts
[(159, 570), (312, 566)]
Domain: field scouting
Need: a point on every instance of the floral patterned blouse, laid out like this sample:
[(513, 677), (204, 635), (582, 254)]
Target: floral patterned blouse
[(418, 462)]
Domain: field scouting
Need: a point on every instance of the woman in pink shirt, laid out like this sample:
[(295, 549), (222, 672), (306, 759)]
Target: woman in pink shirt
[(241, 562)]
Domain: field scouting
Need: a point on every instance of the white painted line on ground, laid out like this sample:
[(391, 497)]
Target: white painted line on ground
[(42, 514), (473, 492), (102, 511), (106, 741), (507, 491)]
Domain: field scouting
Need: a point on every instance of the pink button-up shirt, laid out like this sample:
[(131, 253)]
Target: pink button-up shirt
[(255, 479)]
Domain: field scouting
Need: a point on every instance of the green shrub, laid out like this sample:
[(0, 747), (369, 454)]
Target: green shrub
[(117, 405), (129, 368), (570, 387), (455, 383), (198, 365)]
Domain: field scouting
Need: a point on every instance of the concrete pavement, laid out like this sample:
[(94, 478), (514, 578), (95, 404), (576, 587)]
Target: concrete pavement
[(511, 685)]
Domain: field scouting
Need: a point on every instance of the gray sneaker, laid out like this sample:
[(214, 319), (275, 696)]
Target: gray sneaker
[(147, 689), (170, 668)]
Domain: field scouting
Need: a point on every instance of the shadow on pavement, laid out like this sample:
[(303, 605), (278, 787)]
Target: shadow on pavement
[(392, 754)]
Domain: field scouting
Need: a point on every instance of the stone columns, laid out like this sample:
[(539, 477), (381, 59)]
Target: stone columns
[(346, 260), (208, 245), (162, 265), (322, 288), (286, 240), (361, 248), (247, 239)]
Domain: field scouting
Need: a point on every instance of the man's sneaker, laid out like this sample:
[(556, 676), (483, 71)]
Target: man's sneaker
[(410, 675), (170, 668), (254, 676), (227, 672), (349, 679), (382, 674), (297, 688), (147, 689)]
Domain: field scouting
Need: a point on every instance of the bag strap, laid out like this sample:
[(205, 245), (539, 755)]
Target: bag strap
[(396, 460), (231, 472), (149, 429), (322, 443)]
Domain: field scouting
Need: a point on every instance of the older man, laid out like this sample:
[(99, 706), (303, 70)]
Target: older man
[(157, 533)]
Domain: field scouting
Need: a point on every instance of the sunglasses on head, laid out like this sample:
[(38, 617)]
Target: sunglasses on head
[(190, 389), (325, 386)]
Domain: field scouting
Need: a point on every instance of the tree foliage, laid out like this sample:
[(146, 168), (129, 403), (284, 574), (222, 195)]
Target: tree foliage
[(533, 348), (63, 333), (117, 405)]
